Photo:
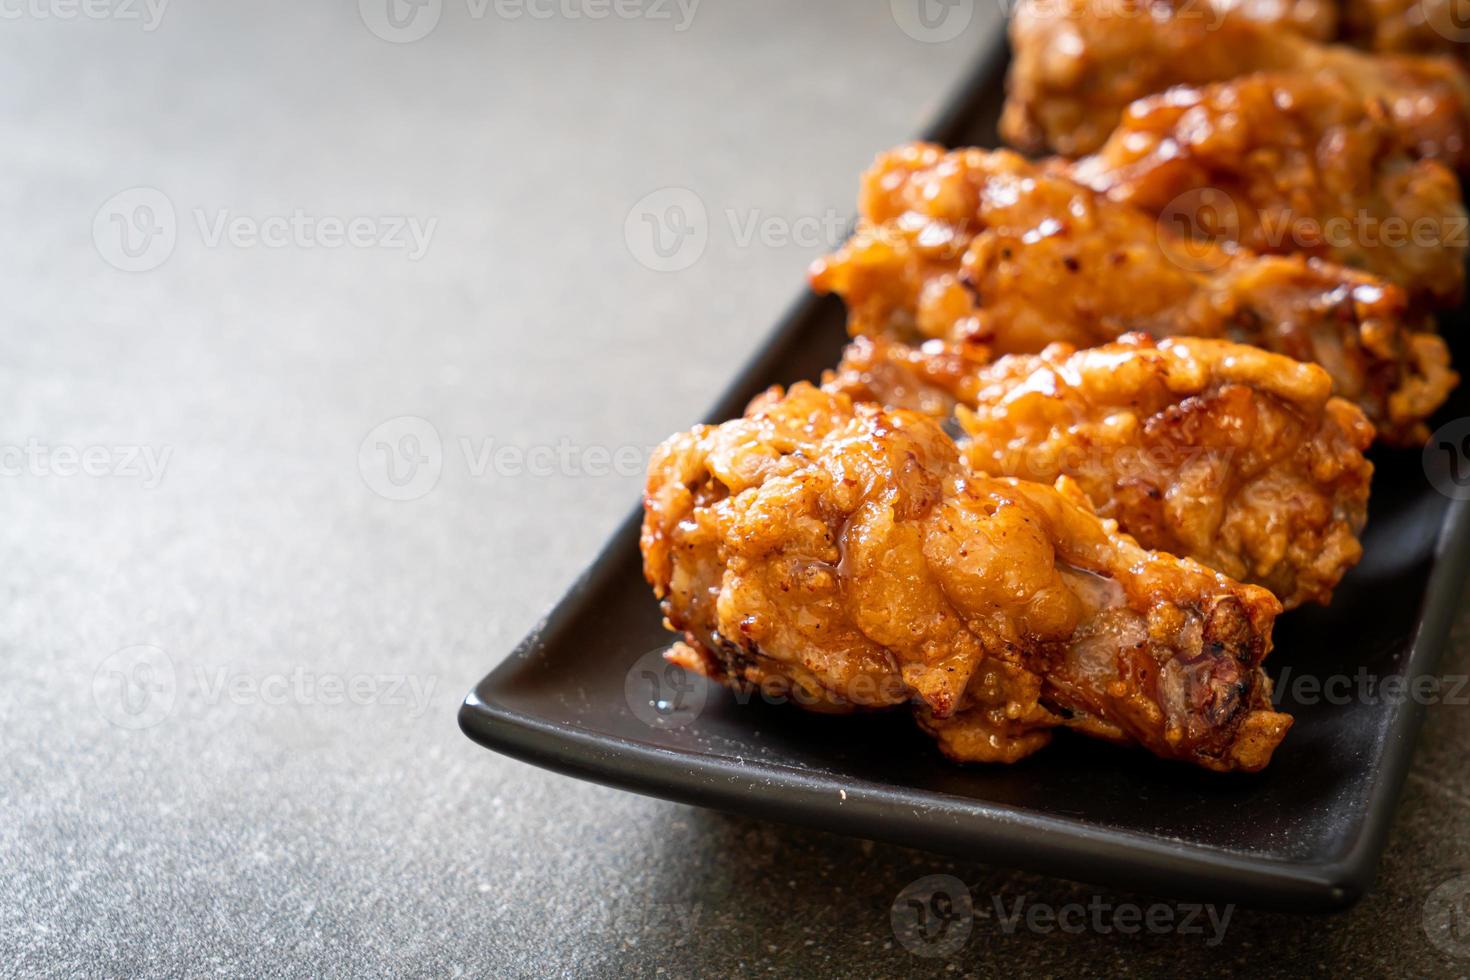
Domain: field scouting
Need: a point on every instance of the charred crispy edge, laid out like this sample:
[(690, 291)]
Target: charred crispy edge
[(715, 657), (931, 378), (1241, 737), (1244, 728), (708, 654), (739, 668)]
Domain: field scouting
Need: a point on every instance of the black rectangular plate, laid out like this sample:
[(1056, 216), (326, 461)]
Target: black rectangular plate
[(1304, 835)]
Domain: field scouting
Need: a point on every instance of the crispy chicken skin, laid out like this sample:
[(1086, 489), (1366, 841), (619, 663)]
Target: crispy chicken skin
[(1289, 162), (1237, 458), (844, 555), (1407, 26), (983, 247), (1077, 64)]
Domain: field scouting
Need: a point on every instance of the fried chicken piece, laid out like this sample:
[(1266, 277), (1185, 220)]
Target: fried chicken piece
[(1237, 458), (1315, 19), (933, 379), (843, 555), (1077, 64), (1288, 162), (1407, 26), (983, 247)]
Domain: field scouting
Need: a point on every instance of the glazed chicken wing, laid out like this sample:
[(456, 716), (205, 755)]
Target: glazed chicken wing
[(1077, 64), (1210, 450), (983, 247), (846, 554), (1316, 19), (1286, 163)]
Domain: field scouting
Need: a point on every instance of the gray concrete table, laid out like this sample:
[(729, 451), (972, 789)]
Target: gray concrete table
[(248, 249)]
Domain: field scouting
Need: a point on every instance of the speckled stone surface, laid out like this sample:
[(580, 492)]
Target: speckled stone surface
[(232, 663)]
